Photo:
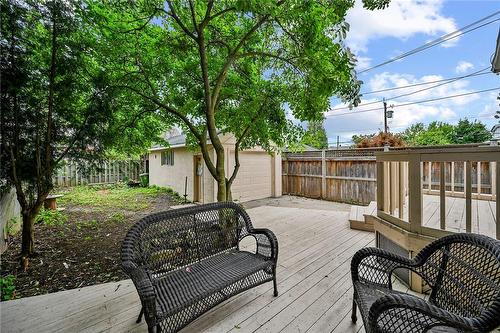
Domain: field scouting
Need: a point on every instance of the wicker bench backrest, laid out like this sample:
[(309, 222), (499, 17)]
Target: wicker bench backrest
[(176, 238), (464, 274)]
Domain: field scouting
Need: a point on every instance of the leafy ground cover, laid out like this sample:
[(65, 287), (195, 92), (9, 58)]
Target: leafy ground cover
[(80, 245)]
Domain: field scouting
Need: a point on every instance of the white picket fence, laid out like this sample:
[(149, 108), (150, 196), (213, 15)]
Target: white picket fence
[(73, 174)]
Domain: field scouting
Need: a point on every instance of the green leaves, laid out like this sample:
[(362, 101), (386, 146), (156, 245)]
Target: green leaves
[(439, 133)]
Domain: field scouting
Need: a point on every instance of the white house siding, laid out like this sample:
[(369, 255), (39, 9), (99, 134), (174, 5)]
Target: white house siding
[(254, 179), (173, 176), (259, 175)]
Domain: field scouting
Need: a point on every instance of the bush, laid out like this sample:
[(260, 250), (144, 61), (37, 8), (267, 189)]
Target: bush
[(7, 288), (51, 218)]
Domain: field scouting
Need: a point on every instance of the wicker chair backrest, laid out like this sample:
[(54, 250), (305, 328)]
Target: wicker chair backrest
[(464, 275), (174, 239)]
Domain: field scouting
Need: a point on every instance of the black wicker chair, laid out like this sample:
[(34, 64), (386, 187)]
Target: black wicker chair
[(462, 271), (185, 261)]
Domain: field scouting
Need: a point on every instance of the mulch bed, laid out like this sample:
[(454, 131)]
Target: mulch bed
[(83, 252)]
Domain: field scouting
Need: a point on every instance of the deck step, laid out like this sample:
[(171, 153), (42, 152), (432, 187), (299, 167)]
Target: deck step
[(359, 217)]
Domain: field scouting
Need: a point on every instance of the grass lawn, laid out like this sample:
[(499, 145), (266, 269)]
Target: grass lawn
[(80, 245), (113, 197)]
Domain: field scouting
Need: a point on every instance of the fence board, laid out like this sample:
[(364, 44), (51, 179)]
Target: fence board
[(73, 174), (349, 176)]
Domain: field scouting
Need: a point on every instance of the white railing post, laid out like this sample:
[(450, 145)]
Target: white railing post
[(442, 196), (380, 187), (468, 196), (415, 193), (452, 178)]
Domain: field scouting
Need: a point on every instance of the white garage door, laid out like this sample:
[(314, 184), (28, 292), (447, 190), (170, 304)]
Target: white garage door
[(254, 177)]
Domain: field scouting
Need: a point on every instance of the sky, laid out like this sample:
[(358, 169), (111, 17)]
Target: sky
[(377, 36)]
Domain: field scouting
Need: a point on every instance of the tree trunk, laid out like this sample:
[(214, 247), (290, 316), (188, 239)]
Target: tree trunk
[(229, 194), (221, 189), (28, 234)]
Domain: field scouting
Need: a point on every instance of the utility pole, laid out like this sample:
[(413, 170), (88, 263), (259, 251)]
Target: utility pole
[(385, 116), (338, 137)]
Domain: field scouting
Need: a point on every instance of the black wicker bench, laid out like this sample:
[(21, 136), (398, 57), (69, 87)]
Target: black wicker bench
[(185, 261), (462, 272)]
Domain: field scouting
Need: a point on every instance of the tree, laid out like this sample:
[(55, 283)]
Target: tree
[(439, 133), (315, 135), (357, 138), (214, 67), (55, 100), (380, 140), (470, 132)]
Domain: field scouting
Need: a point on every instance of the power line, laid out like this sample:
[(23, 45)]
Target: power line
[(412, 103), (404, 126), (421, 84), (438, 41), (448, 81)]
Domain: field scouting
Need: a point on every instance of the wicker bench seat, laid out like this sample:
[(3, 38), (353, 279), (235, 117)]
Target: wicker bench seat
[(183, 262), (462, 272)]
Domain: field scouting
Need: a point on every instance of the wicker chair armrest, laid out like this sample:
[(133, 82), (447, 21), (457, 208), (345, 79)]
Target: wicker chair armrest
[(144, 287), (267, 243), (408, 313), (375, 265)]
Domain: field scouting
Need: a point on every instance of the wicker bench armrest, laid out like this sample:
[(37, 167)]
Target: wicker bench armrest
[(375, 265), (267, 243), (408, 313), (144, 287)]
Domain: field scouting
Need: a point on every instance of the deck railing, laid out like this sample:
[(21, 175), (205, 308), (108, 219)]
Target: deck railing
[(459, 175)]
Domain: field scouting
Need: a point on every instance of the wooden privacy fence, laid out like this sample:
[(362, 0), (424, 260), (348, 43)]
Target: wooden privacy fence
[(73, 174), (338, 175)]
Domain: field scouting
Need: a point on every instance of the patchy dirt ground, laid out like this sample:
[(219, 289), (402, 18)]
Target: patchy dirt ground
[(85, 249)]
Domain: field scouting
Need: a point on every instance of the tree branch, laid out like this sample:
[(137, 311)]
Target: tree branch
[(232, 57), (177, 19), (269, 55), (173, 111), (222, 12)]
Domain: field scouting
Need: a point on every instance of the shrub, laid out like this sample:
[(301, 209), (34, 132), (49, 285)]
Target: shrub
[(51, 218), (7, 288)]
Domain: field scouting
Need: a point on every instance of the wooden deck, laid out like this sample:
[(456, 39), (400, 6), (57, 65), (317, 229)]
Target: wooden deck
[(483, 214), (315, 291)]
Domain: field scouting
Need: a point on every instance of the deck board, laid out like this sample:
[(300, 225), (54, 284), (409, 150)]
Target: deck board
[(313, 280)]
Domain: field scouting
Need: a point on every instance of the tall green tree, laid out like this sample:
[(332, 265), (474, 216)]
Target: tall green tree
[(440, 133), (56, 101), (470, 132), (315, 135), (215, 67)]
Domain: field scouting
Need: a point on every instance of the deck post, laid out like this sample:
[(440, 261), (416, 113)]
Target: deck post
[(380, 186), (442, 195), (468, 196), (452, 178), (415, 193), (323, 174), (401, 190), (429, 173), (478, 188)]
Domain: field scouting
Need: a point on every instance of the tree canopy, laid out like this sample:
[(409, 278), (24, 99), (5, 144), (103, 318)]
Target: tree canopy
[(440, 133), (235, 67), (56, 100), (315, 135)]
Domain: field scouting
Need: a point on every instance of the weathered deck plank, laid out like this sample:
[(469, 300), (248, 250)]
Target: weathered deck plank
[(313, 280)]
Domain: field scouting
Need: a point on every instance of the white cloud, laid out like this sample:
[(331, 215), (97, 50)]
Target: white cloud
[(402, 19), (363, 63), (448, 110), (463, 66)]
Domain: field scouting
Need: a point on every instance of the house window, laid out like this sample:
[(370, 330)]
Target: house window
[(167, 157)]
